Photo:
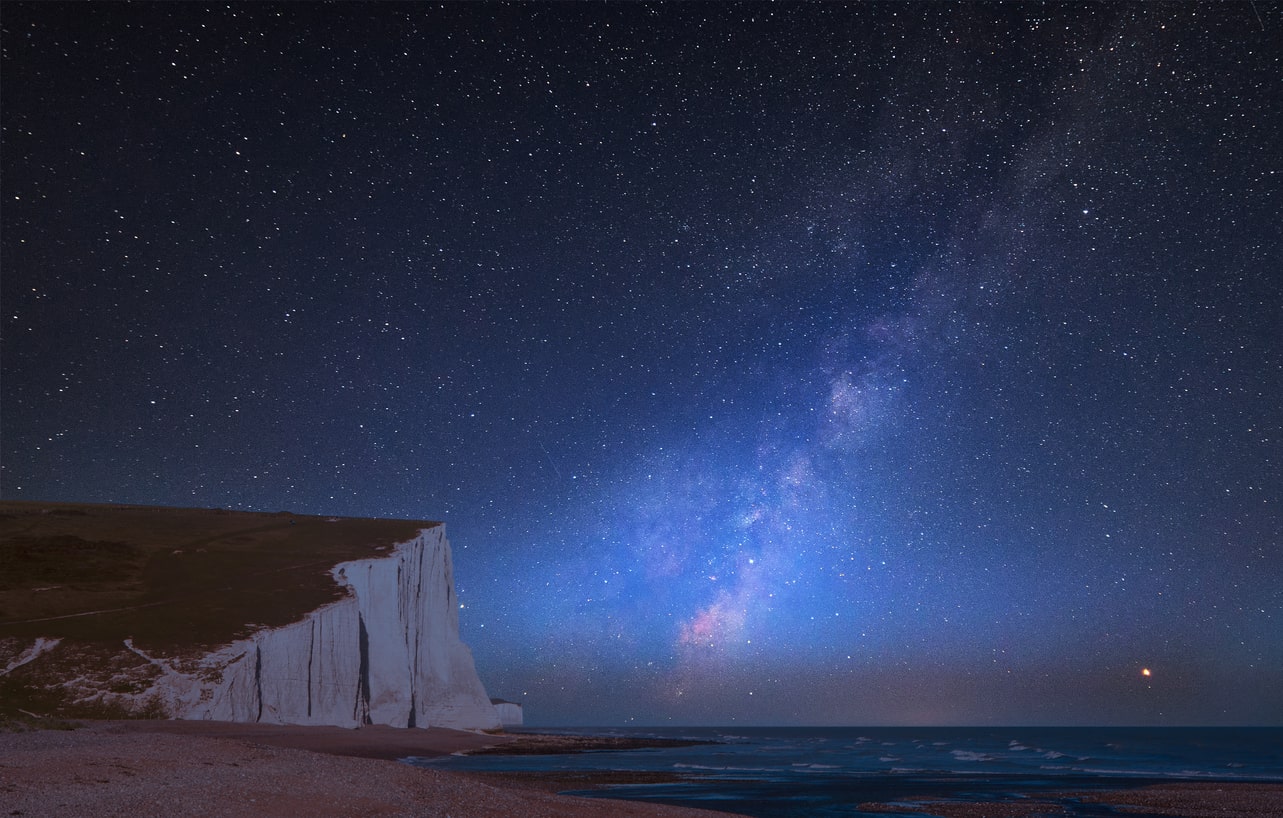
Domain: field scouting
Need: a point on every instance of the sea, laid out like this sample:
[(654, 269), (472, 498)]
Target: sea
[(789, 772)]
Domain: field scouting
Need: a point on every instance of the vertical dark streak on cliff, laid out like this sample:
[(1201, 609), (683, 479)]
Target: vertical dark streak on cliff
[(362, 713), (311, 652), (400, 587), (258, 680), (414, 617)]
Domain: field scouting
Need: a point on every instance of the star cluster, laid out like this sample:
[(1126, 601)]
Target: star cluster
[(802, 363)]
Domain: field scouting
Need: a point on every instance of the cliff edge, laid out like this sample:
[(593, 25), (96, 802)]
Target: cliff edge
[(382, 647)]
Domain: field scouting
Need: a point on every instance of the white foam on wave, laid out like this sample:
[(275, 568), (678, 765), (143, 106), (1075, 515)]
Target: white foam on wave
[(1176, 774), (710, 768)]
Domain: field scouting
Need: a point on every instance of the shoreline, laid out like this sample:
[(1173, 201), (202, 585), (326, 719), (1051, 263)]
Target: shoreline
[(538, 744), (1177, 799), (132, 769), (187, 768), (392, 743)]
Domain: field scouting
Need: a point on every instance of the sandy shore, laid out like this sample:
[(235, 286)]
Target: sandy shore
[(1196, 800), (139, 769), (142, 769), (1176, 800)]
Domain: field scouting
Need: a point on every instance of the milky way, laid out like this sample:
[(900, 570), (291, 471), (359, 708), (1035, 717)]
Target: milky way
[(768, 364)]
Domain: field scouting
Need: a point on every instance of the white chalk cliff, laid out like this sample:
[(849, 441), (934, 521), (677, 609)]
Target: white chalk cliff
[(388, 653)]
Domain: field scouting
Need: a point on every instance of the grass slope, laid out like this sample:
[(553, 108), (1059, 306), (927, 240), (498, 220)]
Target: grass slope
[(178, 582), (171, 578)]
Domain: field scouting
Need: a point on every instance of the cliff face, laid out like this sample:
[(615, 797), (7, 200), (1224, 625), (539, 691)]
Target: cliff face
[(509, 713), (389, 653)]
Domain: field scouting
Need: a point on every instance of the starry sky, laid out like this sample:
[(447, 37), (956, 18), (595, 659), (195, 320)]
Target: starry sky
[(769, 364)]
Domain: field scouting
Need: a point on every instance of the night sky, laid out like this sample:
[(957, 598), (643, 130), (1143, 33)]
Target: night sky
[(769, 364)]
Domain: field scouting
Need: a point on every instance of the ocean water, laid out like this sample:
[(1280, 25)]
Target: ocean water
[(797, 771)]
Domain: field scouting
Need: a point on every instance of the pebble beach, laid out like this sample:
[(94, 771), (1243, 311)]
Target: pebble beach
[(159, 769), (141, 769)]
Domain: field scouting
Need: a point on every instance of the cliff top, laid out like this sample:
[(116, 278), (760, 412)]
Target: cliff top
[(172, 577)]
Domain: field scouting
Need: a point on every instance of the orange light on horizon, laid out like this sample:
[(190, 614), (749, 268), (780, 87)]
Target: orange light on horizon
[(1145, 672)]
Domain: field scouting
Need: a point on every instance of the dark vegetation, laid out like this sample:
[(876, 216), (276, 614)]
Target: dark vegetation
[(66, 559), (175, 581)]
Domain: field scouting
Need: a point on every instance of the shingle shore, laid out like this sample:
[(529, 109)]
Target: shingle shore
[(132, 772)]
